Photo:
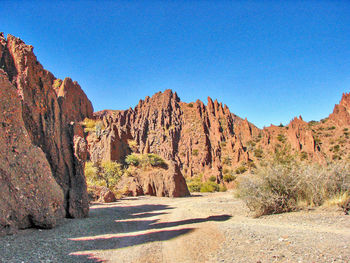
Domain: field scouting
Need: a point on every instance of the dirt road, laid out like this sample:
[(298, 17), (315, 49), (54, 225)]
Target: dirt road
[(202, 228)]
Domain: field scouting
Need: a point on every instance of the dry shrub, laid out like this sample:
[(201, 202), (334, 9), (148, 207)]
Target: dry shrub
[(282, 188)]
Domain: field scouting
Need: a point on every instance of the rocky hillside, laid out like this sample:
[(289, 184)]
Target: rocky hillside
[(212, 141), (43, 146)]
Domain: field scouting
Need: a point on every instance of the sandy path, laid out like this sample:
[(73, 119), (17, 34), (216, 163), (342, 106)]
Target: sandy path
[(207, 228)]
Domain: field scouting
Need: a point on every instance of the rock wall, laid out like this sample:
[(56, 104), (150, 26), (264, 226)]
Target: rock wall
[(51, 110)]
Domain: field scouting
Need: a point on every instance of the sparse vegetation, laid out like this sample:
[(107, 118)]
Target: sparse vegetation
[(195, 152), (281, 138), (196, 184), (226, 160), (92, 125), (212, 178), (258, 153), (324, 120), (57, 83), (284, 187), (223, 144), (106, 173), (229, 177), (303, 156), (251, 144), (312, 123), (133, 145), (241, 169), (144, 160), (190, 105)]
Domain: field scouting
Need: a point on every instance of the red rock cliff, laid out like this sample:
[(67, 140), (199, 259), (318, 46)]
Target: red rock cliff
[(51, 110)]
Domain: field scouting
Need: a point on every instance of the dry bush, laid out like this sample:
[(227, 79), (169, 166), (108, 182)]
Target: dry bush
[(284, 187)]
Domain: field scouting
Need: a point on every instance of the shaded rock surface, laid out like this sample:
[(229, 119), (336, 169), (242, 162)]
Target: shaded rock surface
[(51, 110)]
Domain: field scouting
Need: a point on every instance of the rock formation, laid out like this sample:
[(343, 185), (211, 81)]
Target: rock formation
[(206, 139), (30, 195), (341, 112), (49, 115), (160, 181)]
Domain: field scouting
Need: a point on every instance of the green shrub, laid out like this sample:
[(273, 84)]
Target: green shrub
[(229, 177), (324, 120), (251, 164), (312, 123), (57, 83), (133, 145), (212, 178), (303, 156), (145, 160), (281, 138), (155, 160), (223, 144), (258, 153), (132, 159), (195, 152), (222, 188), (281, 188), (91, 125), (241, 169), (209, 187), (336, 157), (106, 173), (190, 105), (331, 128), (194, 186), (194, 183), (336, 148)]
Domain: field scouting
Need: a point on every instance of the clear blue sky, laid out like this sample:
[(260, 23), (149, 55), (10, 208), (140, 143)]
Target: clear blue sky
[(267, 60)]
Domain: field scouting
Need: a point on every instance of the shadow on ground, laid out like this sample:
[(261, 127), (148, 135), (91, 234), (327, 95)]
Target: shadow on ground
[(114, 227)]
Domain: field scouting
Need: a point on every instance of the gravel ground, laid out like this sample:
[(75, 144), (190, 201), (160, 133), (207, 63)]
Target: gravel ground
[(203, 228)]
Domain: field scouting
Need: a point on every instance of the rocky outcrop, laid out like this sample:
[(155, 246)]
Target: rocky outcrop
[(341, 112), (158, 181), (30, 196), (194, 136), (51, 111)]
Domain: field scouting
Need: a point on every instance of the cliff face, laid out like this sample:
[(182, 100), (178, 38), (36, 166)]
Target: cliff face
[(194, 136), (209, 139), (30, 195), (50, 112)]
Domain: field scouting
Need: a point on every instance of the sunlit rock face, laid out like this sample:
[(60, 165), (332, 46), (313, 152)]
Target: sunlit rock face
[(193, 136), (49, 112), (208, 139)]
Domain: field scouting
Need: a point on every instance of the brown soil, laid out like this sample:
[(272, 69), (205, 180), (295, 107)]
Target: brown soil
[(203, 228)]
